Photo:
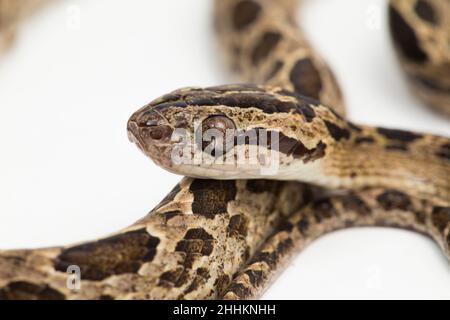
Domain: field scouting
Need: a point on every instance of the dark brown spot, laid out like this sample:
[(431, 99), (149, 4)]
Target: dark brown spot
[(241, 96), (260, 186), (307, 112), (196, 243), (393, 199), (195, 284), (21, 290), (323, 209), (240, 290), (365, 140), (175, 278), (399, 135), (255, 277), (303, 225), (285, 226), (283, 247), (106, 297), (203, 272), (316, 153), (245, 13), (405, 37), (425, 11), (275, 69), (237, 227), (441, 217), (306, 79), (337, 132), (396, 147), (221, 283), (172, 214), (211, 197), (295, 148), (354, 203), (123, 253), (285, 144), (444, 152), (267, 44), (420, 217), (270, 258)]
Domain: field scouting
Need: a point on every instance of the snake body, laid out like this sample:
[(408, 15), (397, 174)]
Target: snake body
[(229, 239)]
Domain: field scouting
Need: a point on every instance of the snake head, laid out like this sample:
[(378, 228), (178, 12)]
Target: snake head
[(226, 132), (151, 132)]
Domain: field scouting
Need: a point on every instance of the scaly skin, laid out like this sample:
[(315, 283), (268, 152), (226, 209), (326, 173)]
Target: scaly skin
[(197, 242)]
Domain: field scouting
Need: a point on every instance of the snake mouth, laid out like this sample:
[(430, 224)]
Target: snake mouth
[(134, 136), (158, 151)]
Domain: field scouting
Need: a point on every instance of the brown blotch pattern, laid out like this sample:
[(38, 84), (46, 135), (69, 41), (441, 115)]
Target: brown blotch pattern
[(337, 132), (221, 283), (285, 226), (239, 289), (441, 217), (399, 135), (396, 147), (323, 209), (241, 96), (297, 149), (195, 243), (267, 44), (271, 258), (195, 284), (211, 197), (256, 277), (260, 186), (306, 79), (175, 278), (275, 69), (22, 290), (405, 37), (245, 13), (303, 225), (365, 140), (425, 11), (394, 199), (354, 203), (308, 112), (171, 214), (444, 151), (237, 227), (124, 253)]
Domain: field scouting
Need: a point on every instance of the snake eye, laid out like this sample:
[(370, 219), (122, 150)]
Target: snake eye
[(217, 135)]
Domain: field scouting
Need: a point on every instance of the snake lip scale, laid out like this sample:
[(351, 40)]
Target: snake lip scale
[(226, 231)]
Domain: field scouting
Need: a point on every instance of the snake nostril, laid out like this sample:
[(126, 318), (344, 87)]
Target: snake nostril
[(156, 133), (160, 132)]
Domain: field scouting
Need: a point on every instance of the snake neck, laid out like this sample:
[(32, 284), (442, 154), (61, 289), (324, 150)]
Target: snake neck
[(379, 157)]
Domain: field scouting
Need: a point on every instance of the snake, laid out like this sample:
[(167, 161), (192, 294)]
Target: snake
[(228, 229)]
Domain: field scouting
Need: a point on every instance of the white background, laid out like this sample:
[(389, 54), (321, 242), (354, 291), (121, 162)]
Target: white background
[(80, 68)]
